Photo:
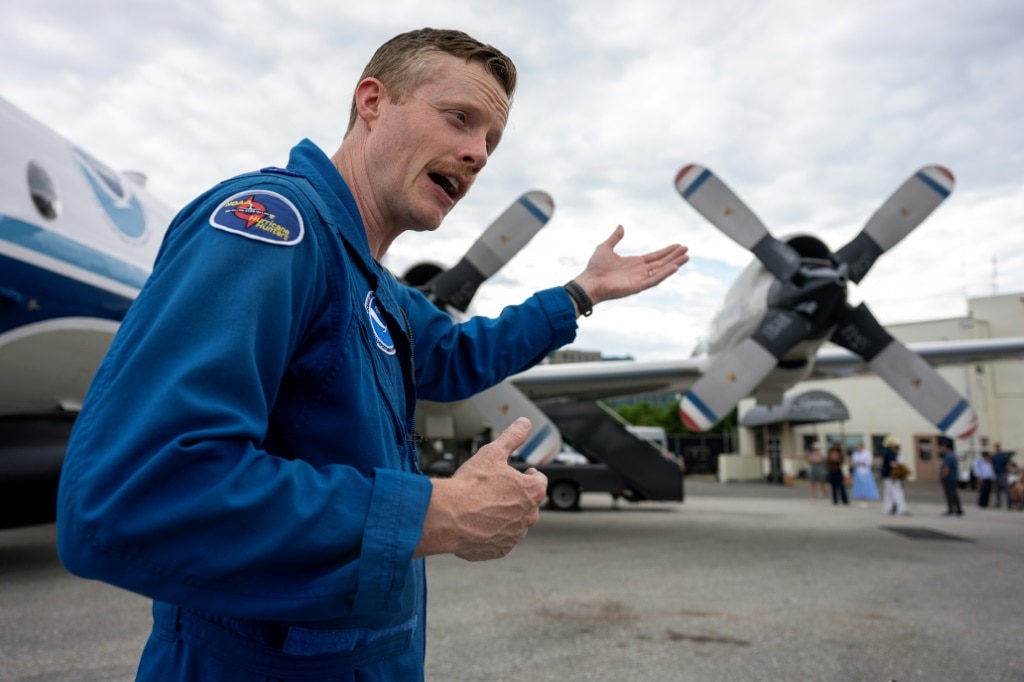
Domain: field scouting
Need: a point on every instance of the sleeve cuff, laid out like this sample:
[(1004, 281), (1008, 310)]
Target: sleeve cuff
[(394, 525), (561, 314)]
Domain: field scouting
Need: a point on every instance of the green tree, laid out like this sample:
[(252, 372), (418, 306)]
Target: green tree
[(645, 414), (667, 417)]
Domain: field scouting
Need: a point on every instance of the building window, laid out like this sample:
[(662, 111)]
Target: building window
[(847, 441)]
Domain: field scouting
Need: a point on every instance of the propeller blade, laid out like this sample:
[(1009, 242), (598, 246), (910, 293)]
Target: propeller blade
[(502, 404), (715, 201), (896, 218), (906, 372), (734, 375), (495, 247)]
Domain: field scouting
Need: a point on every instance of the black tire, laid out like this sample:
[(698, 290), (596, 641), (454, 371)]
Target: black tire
[(564, 496)]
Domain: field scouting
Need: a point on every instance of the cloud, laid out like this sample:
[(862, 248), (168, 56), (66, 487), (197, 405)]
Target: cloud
[(814, 113)]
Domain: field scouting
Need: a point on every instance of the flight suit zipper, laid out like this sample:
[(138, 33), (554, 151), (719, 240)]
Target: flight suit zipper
[(411, 436)]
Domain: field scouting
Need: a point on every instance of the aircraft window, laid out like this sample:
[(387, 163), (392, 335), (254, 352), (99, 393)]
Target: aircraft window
[(44, 191)]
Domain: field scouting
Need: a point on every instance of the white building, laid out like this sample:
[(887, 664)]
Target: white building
[(995, 390)]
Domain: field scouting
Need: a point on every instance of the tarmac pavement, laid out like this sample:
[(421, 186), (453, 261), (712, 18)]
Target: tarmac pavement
[(743, 581)]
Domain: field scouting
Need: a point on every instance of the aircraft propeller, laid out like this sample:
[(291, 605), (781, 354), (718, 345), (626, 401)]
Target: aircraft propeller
[(808, 302), (453, 289), (496, 246)]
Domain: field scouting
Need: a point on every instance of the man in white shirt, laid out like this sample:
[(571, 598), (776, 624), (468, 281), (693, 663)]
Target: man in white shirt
[(985, 475)]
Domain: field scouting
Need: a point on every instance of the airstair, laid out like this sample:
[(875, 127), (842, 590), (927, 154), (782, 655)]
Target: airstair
[(619, 462)]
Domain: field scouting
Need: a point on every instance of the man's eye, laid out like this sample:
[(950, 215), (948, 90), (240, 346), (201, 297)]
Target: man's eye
[(461, 117)]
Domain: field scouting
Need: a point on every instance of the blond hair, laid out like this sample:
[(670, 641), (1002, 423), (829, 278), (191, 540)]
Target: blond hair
[(404, 62)]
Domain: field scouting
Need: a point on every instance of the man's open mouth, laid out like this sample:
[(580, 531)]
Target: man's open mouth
[(448, 184)]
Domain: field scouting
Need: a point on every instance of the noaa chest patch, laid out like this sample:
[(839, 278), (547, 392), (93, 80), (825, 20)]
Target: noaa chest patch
[(260, 215), (377, 323)]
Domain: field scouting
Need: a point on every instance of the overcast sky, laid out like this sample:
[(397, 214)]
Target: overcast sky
[(813, 112)]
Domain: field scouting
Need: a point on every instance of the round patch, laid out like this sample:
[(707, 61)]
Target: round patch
[(260, 215), (377, 323)]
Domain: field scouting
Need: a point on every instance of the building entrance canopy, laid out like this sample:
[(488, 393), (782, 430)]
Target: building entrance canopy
[(807, 408)]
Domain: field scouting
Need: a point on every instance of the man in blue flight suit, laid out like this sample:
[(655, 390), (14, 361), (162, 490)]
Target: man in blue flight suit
[(246, 455)]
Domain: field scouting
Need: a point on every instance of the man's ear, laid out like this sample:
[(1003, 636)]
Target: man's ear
[(370, 96)]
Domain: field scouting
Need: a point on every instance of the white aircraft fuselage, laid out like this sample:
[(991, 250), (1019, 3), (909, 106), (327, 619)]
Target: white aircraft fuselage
[(77, 241), (744, 306)]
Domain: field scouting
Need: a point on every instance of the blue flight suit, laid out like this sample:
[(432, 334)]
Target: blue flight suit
[(246, 454)]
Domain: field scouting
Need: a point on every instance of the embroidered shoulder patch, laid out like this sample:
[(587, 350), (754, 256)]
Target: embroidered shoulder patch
[(261, 215)]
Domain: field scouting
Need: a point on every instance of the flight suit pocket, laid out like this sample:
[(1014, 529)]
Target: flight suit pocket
[(305, 642)]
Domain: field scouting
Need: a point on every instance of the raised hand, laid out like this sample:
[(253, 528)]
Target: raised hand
[(609, 276)]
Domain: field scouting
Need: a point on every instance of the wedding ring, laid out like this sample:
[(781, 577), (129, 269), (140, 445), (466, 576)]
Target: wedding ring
[(650, 273)]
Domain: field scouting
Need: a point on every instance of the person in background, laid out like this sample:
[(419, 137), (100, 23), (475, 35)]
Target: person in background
[(893, 473), (949, 478), (984, 474), (1001, 469), (834, 461), (817, 473), (864, 488), (1015, 484)]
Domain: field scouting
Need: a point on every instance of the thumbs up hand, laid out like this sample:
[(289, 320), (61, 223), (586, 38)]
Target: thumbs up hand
[(485, 509)]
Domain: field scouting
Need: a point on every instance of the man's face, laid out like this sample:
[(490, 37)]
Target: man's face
[(425, 152)]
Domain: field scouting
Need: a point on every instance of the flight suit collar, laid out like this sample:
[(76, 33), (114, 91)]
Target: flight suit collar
[(311, 161)]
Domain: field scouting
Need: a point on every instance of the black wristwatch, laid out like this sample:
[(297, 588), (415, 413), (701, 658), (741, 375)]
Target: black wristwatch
[(583, 302)]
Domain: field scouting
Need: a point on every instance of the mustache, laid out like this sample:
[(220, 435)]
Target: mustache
[(453, 170)]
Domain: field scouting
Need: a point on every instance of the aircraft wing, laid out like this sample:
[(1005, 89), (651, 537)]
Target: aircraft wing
[(832, 362), (613, 379), (609, 379)]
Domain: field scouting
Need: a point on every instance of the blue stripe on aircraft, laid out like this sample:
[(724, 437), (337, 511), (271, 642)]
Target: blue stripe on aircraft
[(532, 444), (953, 415), (56, 296), (532, 208), (939, 189), (47, 243), (704, 409), (695, 185)]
